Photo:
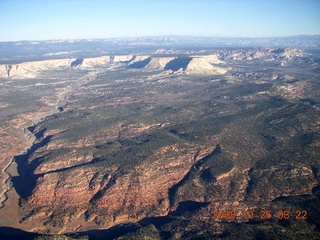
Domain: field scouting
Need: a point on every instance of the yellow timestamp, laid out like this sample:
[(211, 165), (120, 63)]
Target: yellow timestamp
[(263, 214)]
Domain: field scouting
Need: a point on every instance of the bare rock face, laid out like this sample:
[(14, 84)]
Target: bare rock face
[(267, 54), (32, 69), (110, 195), (199, 65), (144, 191), (205, 66), (123, 58), (37, 68), (158, 63), (62, 190), (89, 63), (291, 53)]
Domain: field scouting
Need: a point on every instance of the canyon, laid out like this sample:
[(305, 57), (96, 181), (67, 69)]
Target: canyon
[(152, 144)]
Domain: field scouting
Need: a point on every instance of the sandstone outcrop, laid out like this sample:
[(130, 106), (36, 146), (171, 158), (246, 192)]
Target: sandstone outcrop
[(32, 69), (108, 194), (205, 65), (158, 63), (267, 54), (202, 64), (199, 65)]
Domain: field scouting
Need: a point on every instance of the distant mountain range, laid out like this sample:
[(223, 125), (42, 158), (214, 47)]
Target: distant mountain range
[(50, 49)]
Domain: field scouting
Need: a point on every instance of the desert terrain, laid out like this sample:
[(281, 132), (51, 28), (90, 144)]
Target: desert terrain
[(164, 143)]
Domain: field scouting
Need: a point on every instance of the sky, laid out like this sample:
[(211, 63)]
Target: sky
[(78, 19)]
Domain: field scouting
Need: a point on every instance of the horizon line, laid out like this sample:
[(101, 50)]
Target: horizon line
[(155, 36)]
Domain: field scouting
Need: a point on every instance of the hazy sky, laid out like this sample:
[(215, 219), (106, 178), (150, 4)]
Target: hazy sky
[(61, 19)]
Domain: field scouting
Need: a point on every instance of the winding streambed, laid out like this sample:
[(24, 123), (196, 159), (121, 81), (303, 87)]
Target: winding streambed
[(6, 184), (14, 170), (11, 170)]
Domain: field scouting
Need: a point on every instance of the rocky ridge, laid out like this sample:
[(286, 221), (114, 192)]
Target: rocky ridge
[(207, 64), (200, 65)]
